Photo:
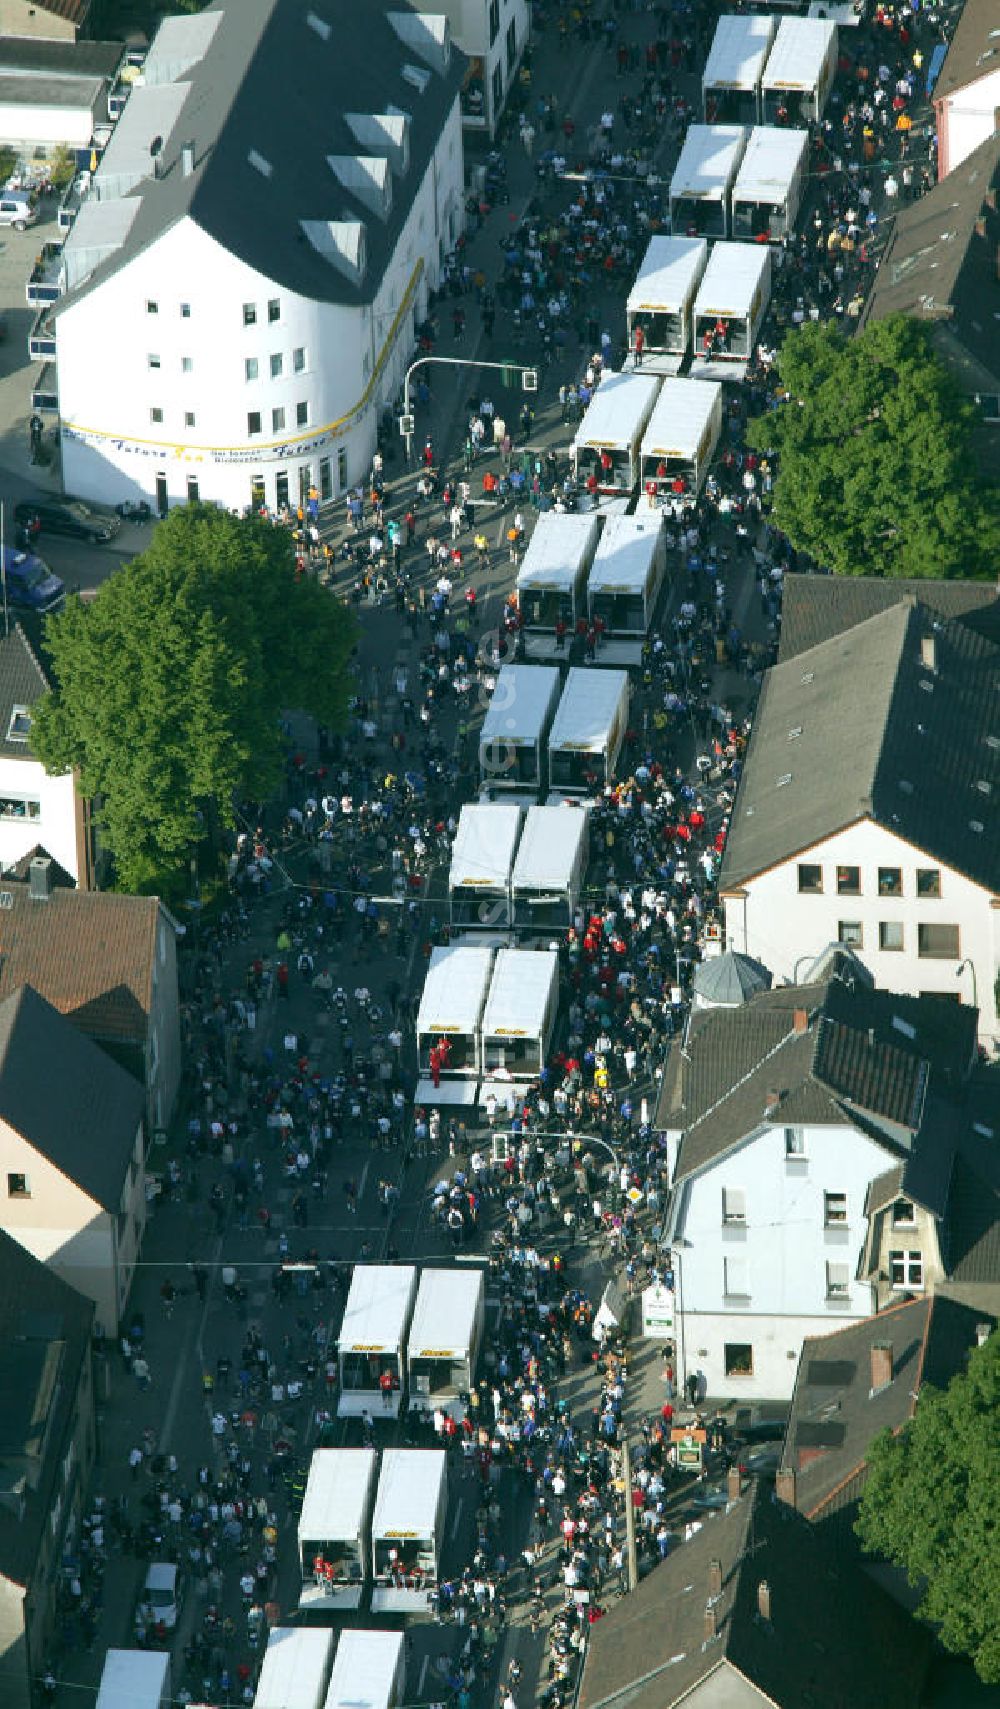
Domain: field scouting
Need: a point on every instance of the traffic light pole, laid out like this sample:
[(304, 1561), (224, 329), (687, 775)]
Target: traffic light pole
[(529, 383)]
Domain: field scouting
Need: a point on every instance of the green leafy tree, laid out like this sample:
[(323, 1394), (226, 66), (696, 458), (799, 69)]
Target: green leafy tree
[(62, 166), (930, 1505), (169, 687), (876, 472)]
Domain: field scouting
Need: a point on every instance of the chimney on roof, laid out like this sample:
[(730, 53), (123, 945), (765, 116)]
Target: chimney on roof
[(983, 1333), (40, 878), (871, 1038), (764, 1599), (715, 1578), (734, 1483), (800, 1020), (784, 1485), (771, 1101), (980, 225), (187, 159), (928, 652), (881, 1365), (711, 1624)]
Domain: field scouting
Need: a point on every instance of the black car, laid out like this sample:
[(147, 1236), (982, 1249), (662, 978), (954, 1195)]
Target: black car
[(74, 516)]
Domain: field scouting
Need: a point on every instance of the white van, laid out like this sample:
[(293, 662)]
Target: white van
[(17, 209), (161, 1594)]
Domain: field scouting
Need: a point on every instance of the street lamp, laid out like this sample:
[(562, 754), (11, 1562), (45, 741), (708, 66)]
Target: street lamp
[(969, 966)]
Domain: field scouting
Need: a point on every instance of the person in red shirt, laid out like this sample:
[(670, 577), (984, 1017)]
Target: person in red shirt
[(640, 344)]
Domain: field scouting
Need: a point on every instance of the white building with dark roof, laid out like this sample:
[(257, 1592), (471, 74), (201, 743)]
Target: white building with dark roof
[(277, 200), (36, 810)]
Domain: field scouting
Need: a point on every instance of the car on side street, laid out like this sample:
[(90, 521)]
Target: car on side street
[(29, 583), (79, 518)]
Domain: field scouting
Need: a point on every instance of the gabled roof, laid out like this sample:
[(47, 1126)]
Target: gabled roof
[(31, 54), (833, 1637), (91, 954), (860, 727), (974, 50), (836, 1413), (223, 83), (22, 683), (20, 871), (63, 1094), (816, 608)]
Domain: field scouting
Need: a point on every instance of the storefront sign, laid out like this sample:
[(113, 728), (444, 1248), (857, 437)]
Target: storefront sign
[(658, 1313)]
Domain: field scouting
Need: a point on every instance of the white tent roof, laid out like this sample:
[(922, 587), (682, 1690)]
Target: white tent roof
[(587, 709), (377, 1308), (548, 848), (708, 161), (454, 990), (799, 52), (668, 275), (365, 1670), (624, 561), (774, 155), (739, 51), (520, 704), (295, 1668), (561, 542), (733, 274), (339, 1484), (523, 982), (484, 846), (408, 1490), (444, 1316), (618, 411), (683, 414), (128, 1672)]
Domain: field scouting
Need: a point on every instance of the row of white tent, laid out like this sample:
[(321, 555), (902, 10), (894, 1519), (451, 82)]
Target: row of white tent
[(586, 565), (515, 869), (495, 1010), (642, 428), (757, 66), (733, 181), (543, 734)]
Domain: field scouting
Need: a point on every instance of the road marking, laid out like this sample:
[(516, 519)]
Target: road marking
[(458, 1517), (425, 1664), (361, 1183)]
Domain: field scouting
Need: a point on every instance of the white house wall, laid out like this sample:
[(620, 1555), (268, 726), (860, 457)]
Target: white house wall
[(785, 1246), (54, 827), (786, 930), (967, 119), (45, 127), (355, 359)]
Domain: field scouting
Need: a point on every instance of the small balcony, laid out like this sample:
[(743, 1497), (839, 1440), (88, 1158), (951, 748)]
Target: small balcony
[(45, 391), (44, 285), (41, 338)]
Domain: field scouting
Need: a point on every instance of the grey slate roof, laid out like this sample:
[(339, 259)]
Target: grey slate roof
[(730, 979), (974, 50), (22, 683), (857, 728), (28, 54), (66, 1098), (815, 608), (273, 86), (833, 1638)]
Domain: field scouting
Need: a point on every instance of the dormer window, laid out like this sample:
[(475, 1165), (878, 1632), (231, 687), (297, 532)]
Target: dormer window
[(19, 728)]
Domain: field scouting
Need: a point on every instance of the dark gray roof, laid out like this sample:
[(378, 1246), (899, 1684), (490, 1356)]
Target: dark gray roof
[(858, 728), (63, 1094), (45, 91), (835, 1414), (730, 978), (264, 112), (25, 54), (45, 1328), (815, 608), (833, 1638), (974, 50), (22, 683)]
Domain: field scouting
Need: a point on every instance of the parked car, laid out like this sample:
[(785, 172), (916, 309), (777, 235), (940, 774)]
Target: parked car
[(74, 516), (161, 1594), (30, 582), (17, 209)]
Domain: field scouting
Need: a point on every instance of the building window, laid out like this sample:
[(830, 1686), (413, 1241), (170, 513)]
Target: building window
[(151, 307), (18, 1187), (277, 364), (497, 88), (928, 881), (155, 414), (904, 1214), (186, 365), (848, 881), (795, 1142), (189, 418), (890, 934), (341, 467), (906, 1269), (734, 1207), (301, 415), (511, 48), (938, 943), (274, 310), (250, 367), (834, 1209), (298, 360), (736, 1278), (19, 728), (325, 480), (851, 933), (19, 807), (890, 881), (185, 311), (810, 880), (494, 20), (193, 489), (249, 314), (738, 1357), (152, 361), (253, 422), (277, 420), (838, 1282)]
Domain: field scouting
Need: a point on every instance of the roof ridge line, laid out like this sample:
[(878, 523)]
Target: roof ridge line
[(735, 1087)]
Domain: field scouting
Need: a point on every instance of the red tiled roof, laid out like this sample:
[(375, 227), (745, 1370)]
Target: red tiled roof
[(88, 953)]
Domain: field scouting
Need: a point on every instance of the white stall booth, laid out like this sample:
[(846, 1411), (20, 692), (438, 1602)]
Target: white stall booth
[(372, 1339), (333, 1528), (588, 731), (445, 1337), (606, 447), (799, 73), (730, 84), (547, 881), (769, 184), (553, 576), (369, 1671), (703, 180), (451, 1004), (729, 310), (680, 441), (408, 1529), (627, 576), (295, 1671), (481, 858), (512, 737), (135, 1679), (518, 1021), (661, 300)]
